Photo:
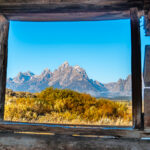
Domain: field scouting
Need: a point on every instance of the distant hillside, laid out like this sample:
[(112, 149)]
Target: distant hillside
[(69, 77)]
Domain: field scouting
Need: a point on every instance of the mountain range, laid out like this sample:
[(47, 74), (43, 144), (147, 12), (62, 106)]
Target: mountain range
[(69, 77)]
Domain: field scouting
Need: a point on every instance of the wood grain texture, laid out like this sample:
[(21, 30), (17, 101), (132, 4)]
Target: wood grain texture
[(73, 130), (70, 129), (147, 108), (16, 141), (136, 69), (52, 10), (147, 23), (72, 16), (147, 17), (4, 25), (147, 66)]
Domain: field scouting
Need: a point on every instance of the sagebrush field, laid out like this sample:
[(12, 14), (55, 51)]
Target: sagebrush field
[(66, 106)]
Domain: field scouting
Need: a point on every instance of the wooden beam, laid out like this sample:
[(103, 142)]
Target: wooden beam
[(72, 16), (147, 17), (146, 108), (73, 130), (147, 66), (120, 132), (147, 23), (61, 6), (29, 141), (136, 69), (147, 87), (52, 10), (4, 25)]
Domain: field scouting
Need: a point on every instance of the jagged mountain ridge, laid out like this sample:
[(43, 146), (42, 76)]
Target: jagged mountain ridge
[(69, 77)]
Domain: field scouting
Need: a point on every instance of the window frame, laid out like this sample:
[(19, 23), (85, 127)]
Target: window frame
[(117, 131)]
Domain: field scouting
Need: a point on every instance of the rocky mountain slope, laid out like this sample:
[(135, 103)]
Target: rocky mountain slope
[(69, 77)]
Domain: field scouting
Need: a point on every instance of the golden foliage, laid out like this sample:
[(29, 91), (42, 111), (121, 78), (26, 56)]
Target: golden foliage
[(66, 106)]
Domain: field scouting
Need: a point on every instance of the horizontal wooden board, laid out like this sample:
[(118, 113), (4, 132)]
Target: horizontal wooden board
[(73, 130), (74, 16), (57, 10), (63, 142), (122, 132)]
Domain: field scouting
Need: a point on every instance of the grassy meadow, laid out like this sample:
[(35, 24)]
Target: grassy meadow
[(65, 107)]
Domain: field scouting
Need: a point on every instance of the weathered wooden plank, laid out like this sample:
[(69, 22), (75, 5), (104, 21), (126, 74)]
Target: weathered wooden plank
[(147, 108), (147, 17), (136, 69), (147, 23), (51, 129), (147, 87), (147, 66), (4, 25), (68, 5), (70, 130), (72, 16), (48, 10), (62, 142)]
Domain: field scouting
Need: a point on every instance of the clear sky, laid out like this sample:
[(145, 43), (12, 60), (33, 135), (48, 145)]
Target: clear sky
[(102, 48)]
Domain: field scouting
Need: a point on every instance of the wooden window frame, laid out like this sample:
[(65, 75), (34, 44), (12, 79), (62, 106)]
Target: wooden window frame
[(66, 14)]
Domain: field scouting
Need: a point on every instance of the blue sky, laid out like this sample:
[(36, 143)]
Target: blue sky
[(102, 48)]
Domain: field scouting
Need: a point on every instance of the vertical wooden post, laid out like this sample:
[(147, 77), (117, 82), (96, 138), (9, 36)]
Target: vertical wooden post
[(136, 69), (147, 23), (4, 26), (147, 87), (147, 66)]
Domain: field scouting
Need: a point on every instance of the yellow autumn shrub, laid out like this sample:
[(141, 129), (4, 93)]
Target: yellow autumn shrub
[(65, 106)]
